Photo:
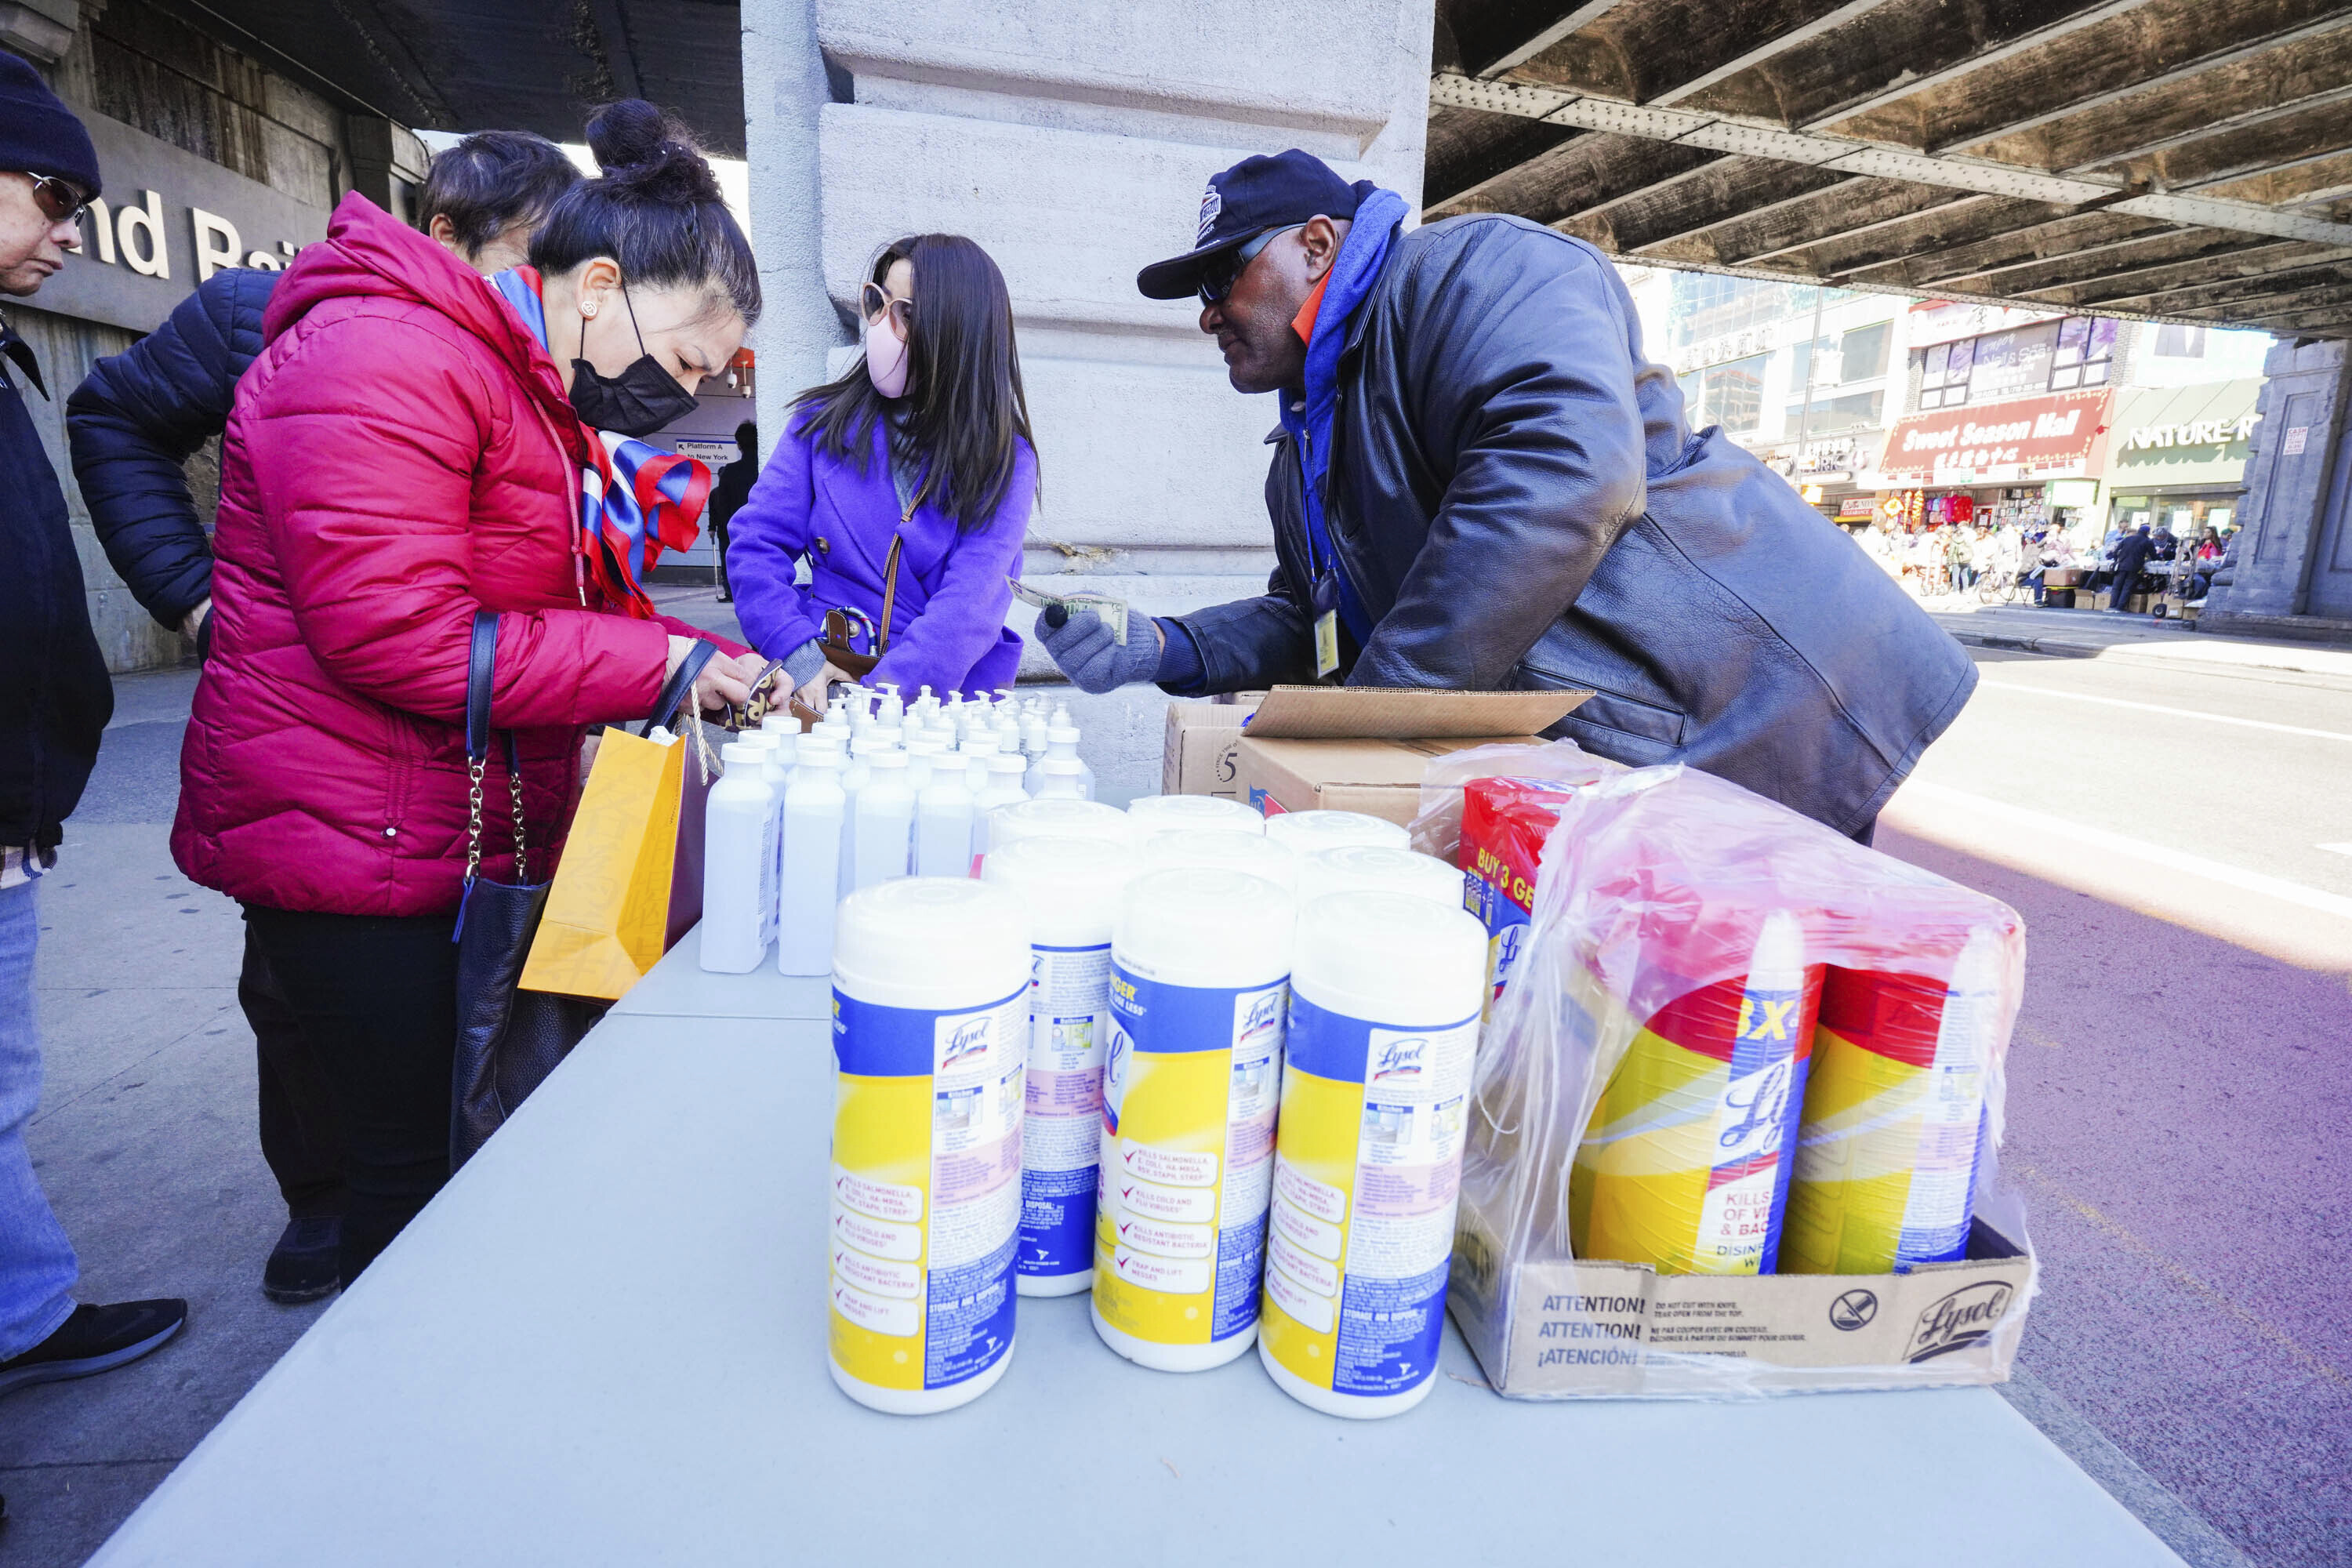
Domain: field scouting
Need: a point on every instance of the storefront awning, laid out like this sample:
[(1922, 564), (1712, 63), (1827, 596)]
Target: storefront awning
[(2175, 437), (1994, 443)]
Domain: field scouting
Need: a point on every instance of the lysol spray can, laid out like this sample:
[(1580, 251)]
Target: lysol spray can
[(930, 1026), (1685, 1163), (1894, 1118), (1191, 1081), (1385, 990)]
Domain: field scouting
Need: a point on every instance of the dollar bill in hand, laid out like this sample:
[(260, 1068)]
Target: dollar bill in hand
[(1112, 612)]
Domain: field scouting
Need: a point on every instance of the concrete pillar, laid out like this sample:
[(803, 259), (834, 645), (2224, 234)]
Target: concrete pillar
[(1073, 138), (2290, 475), (387, 163), (784, 86)]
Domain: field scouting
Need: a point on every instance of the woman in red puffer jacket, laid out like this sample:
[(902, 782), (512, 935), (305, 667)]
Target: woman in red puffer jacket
[(410, 448)]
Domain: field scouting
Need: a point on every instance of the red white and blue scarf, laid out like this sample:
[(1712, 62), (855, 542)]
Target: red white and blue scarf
[(636, 499)]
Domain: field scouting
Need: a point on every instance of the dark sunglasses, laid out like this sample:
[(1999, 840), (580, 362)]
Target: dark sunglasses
[(60, 201), (1219, 274)]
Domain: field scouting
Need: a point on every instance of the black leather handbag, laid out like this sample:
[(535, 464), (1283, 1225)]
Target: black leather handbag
[(509, 1039)]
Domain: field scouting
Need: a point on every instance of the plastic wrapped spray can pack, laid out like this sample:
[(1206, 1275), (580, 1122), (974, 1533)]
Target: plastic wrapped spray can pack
[(1192, 1082), (1668, 904), (1385, 988), (931, 1028), (1895, 1117), (1684, 1166)]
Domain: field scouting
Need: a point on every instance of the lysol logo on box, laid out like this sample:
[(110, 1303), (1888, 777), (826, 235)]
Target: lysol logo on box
[(969, 1040), (1967, 1316), (1399, 1058)]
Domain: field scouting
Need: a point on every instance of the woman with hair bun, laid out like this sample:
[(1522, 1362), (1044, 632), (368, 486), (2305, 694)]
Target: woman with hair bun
[(411, 447), (905, 484)]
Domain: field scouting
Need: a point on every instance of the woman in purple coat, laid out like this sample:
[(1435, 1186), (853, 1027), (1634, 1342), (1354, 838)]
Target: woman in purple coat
[(925, 443)]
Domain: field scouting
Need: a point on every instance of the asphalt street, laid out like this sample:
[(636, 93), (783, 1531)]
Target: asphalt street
[(2176, 839), (2174, 1091)]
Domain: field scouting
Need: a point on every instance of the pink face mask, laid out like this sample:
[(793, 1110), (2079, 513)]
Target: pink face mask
[(886, 357)]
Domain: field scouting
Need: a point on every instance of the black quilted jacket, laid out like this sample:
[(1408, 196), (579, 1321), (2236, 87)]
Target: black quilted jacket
[(135, 419)]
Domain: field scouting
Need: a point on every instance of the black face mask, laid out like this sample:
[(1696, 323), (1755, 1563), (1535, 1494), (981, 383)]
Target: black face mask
[(637, 402)]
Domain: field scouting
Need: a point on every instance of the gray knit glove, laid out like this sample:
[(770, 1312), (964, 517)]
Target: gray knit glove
[(1093, 659)]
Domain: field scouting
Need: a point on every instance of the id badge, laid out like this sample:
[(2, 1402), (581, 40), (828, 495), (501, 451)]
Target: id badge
[(1327, 625), (1327, 644)]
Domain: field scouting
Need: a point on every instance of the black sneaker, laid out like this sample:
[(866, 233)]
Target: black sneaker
[(95, 1340), (303, 1266)]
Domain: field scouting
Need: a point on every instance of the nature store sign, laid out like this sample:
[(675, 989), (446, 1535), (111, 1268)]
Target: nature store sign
[(1992, 444), (2194, 435), (168, 221)]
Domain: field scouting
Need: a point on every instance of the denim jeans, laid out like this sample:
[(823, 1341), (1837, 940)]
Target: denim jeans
[(38, 1271)]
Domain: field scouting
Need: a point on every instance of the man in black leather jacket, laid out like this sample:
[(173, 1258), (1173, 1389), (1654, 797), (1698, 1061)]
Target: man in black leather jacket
[(132, 424), (1514, 501)]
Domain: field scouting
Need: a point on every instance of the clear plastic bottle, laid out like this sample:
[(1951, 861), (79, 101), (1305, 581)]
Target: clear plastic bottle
[(893, 711), (1033, 734), (883, 837), (921, 752), (1063, 778), (1004, 771), (1062, 741), (786, 731), (812, 861), (976, 750), (944, 824), (739, 863), (853, 783)]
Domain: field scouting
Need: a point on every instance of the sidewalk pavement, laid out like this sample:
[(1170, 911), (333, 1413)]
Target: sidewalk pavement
[(2135, 639), (145, 1140)]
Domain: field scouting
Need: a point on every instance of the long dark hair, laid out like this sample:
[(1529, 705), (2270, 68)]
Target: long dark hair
[(655, 209), (964, 406)]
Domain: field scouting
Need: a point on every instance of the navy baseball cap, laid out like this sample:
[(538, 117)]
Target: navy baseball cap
[(1245, 201)]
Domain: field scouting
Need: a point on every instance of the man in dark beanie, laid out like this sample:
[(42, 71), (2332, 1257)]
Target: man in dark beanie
[(54, 704), (1480, 482)]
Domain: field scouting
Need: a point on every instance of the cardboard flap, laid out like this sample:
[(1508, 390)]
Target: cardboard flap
[(1405, 713)]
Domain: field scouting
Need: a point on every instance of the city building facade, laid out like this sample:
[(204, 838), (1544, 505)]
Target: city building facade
[(212, 159)]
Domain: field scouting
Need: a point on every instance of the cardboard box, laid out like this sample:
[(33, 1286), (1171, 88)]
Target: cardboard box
[(1362, 748), (1203, 734), (1594, 1329)]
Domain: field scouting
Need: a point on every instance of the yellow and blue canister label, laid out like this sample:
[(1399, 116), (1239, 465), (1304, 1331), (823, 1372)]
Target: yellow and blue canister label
[(1191, 1081), (926, 1200), (1061, 1138), (1365, 1183)]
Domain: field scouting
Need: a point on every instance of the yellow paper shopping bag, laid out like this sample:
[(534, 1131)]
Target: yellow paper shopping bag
[(605, 921)]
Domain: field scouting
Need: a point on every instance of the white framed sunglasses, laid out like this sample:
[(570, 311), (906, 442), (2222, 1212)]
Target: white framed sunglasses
[(873, 302)]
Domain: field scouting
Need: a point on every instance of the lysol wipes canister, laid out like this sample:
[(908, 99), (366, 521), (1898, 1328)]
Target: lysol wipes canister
[(1385, 994), (930, 1029)]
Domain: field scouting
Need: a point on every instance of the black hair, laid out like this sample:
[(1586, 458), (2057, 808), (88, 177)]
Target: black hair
[(656, 210), (964, 409), (746, 436), (492, 181)]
